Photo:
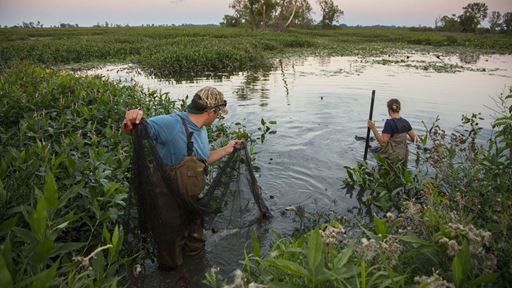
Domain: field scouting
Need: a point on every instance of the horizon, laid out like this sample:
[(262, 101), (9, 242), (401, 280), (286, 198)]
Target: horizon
[(398, 13)]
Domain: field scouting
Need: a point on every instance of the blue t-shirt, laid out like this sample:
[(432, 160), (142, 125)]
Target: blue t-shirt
[(168, 133), (396, 126)]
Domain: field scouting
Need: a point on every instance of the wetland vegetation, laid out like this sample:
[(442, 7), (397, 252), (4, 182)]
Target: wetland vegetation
[(64, 165)]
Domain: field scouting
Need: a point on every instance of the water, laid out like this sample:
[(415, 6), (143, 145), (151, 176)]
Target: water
[(320, 104)]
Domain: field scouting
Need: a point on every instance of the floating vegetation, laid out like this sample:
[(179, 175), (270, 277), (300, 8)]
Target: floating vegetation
[(437, 66), (195, 51)]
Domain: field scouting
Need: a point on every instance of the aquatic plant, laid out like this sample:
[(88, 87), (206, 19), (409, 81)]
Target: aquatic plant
[(184, 52)]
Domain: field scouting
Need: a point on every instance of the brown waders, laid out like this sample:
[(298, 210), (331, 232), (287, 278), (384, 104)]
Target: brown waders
[(396, 149), (190, 175)]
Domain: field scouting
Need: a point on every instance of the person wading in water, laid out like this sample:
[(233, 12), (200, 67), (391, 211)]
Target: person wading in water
[(396, 132), (181, 140)]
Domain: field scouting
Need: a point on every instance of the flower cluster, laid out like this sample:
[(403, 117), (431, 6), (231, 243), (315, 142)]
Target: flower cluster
[(238, 281), (368, 249), (434, 281), (391, 247), (477, 238), (453, 246), (332, 235), (390, 217), (412, 209)]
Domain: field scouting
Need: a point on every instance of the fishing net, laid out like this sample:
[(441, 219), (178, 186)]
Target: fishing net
[(232, 200)]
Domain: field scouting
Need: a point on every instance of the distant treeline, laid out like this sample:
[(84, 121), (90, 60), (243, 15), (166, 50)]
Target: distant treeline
[(279, 15), (472, 16)]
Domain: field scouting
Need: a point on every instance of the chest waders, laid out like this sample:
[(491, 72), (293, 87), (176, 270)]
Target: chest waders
[(396, 149), (190, 175)]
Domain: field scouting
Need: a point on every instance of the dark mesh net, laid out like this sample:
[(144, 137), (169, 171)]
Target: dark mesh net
[(232, 200), (234, 197)]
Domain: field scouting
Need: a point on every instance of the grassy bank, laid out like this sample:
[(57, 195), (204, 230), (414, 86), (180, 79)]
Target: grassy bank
[(189, 51)]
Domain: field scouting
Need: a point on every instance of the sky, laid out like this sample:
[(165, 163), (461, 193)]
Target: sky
[(137, 12)]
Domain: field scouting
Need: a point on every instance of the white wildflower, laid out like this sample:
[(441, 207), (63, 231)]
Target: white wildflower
[(238, 281), (453, 247), (434, 281), (255, 285), (331, 235), (368, 249)]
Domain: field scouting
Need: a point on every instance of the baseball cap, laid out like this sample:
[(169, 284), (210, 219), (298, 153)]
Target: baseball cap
[(205, 99)]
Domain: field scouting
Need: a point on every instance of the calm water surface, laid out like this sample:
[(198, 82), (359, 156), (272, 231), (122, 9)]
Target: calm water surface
[(320, 104)]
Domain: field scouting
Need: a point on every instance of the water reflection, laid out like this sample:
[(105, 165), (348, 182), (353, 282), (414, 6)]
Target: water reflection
[(255, 84)]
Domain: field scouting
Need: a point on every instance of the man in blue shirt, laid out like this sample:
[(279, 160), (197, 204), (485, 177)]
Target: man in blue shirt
[(181, 140)]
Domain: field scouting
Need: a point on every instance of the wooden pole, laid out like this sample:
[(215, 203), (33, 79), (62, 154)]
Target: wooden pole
[(368, 130)]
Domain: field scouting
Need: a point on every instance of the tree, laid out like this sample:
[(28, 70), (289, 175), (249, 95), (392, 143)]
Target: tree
[(472, 15), (331, 13), (231, 21), (494, 21), (437, 21), (450, 24), (303, 13), (507, 22), (293, 12), (262, 14), (246, 11)]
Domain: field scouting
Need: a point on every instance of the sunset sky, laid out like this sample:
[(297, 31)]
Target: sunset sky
[(90, 12)]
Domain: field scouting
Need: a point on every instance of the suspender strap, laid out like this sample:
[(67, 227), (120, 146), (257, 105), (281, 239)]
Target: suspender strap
[(188, 135)]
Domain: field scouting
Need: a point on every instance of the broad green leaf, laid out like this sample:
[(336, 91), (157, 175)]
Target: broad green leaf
[(7, 225), (106, 234), (381, 227), (115, 237), (6, 252), (5, 276), (485, 279), (247, 264), (112, 188), (43, 250), (3, 194), (39, 218), (50, 191), (457, 270), (314, 250), (255, 244), (288, 266), (465, 256), (363, 274), (115, 245), (45, 278), (344, 255), (98, 264), (63, 248)]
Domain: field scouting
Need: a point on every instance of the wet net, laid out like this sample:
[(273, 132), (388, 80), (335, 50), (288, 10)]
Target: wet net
[(232, 200)]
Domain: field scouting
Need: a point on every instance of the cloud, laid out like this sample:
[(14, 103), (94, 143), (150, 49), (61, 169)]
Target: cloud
[(176, 1)]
